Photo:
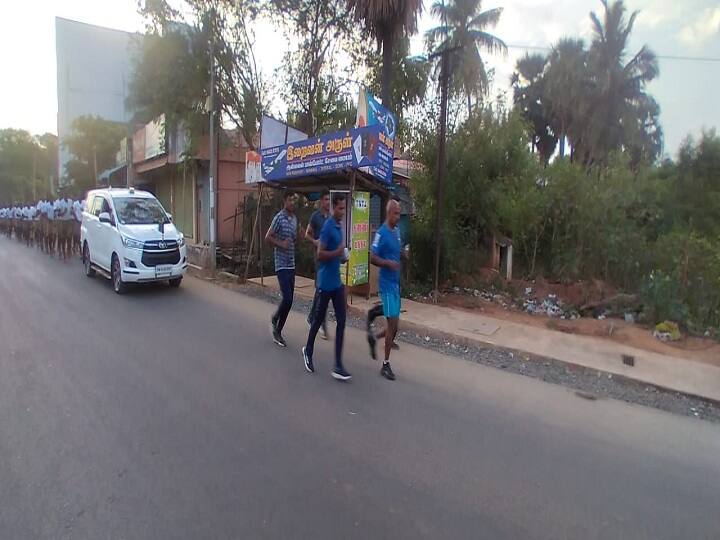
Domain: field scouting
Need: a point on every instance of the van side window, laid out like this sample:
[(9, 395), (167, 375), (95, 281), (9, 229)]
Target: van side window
[(97, 206)]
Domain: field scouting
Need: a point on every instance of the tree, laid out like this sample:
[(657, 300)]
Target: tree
[(566, 88), (530, 95), (321, 30), (28, 165), (388, 21), (410, 81), (463, 26), (172, 72), (94, 143), (622, 114)]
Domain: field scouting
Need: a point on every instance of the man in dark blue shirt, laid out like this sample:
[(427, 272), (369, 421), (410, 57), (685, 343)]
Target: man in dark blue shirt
[(312, 234), (330, 252), (385, 253)]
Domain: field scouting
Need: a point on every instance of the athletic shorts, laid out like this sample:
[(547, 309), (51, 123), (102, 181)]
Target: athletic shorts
[(391, 305)]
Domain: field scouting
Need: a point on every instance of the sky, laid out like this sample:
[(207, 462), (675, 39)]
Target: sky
[(686, 89)]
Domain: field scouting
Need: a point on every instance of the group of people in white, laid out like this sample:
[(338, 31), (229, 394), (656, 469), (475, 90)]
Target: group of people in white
[(51, 226)]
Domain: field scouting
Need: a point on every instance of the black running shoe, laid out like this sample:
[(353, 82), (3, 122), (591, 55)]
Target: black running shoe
[(340, 374), (387, 372), (308, 361), (277, 336), (372, 342)]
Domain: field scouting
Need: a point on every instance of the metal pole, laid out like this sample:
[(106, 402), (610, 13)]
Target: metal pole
[(213, 158), (444, 80), (252, 237)]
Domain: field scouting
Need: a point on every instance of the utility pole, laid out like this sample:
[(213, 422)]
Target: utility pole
[(34, 172), (213, 155), (441, 165)]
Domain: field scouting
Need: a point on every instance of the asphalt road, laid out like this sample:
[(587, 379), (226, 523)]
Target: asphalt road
[(170, 414)]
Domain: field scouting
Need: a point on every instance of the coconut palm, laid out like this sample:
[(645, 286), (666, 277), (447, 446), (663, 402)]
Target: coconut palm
[(566, 88), (529, 84), (623, 114), (387, 21), (463, 26)]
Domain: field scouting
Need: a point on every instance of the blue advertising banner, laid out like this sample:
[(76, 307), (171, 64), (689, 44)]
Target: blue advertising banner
[(371, 112), (354, 148)]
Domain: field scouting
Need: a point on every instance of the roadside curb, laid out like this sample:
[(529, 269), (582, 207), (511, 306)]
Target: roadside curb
[(431, 336)]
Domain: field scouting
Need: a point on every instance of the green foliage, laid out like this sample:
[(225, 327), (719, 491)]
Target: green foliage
[(21, 157), (463, 28), (595, 98), (651, 230), (172, 71), (94, 144), (312, 85)]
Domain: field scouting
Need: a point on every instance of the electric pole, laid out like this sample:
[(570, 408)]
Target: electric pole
[(441, 165), (213, 153)]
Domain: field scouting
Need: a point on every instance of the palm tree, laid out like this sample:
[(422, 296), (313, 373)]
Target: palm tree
[(387, 20), (623, 115), (530, 95), (565, 87), (463, 25)]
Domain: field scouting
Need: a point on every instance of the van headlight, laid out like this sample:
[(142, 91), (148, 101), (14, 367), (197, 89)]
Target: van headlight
[(131, 243), (181, 240)]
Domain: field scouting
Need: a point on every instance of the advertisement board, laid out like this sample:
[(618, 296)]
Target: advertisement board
[(155, 137), (253, 172), (276, 133), (370, 112), (354, 148), (356, 270)]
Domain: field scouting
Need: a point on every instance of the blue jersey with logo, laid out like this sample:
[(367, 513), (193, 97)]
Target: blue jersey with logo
[(386, 245)]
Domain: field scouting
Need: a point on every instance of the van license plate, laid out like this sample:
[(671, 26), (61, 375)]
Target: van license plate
[(163, 270)]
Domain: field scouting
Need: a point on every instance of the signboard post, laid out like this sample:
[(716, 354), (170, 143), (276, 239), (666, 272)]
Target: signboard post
[(356, 270)]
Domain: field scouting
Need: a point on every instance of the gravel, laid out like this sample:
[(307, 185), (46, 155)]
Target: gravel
[(587, 383)]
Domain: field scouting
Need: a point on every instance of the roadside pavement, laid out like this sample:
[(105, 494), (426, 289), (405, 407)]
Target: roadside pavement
[(669, 372)]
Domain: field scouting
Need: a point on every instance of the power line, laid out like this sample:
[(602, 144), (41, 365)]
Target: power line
[(659, 56)]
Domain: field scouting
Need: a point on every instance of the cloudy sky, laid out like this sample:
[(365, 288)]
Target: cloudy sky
[(686, 89)]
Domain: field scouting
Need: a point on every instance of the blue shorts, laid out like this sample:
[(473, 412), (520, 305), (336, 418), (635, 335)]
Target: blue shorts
[(391, 305)]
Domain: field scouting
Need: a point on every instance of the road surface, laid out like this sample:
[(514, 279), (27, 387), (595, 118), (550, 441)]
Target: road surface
[(169, 414)]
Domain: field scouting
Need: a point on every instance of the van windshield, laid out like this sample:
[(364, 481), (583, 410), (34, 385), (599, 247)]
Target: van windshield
[(139, 211)]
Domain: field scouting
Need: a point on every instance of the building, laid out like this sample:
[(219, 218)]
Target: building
[(94, 68)]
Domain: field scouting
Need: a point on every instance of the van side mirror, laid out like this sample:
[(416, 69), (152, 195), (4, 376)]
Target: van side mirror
[(105, 218), (169, 217)]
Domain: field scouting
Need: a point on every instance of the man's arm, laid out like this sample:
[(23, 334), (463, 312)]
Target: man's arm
[(310, 235), (271, 237), (387, 263)]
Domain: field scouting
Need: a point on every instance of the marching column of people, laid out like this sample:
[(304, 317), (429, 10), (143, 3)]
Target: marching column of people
[(325, 232), (50, 226)]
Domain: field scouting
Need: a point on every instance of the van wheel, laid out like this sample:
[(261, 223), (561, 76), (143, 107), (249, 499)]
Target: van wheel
[(119, 285), (175, 282), (87, 265)]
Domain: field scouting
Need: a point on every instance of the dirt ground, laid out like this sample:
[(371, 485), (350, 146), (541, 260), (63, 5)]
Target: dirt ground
[(613, 329)]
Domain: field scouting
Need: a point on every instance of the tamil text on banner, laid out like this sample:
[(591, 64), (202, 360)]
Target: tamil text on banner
[(357, 270), (353, 148)]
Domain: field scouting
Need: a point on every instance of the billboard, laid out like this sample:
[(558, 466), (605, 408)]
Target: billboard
[(356, 270), (370, 112), (253, 172), (354, 148), (276, 133), (155, 137)]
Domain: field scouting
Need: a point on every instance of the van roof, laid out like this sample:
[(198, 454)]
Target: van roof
[(123, 192)]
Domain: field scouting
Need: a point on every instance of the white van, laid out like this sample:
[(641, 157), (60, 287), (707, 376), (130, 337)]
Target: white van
[(127, 236)]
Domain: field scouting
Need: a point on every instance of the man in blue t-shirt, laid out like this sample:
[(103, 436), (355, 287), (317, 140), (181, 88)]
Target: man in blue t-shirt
[(312, 235), (330, 253), (385, 253)]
